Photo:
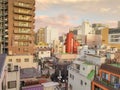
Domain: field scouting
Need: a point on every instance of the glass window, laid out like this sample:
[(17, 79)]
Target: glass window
[(11, 84), (26, 60), (18, 60)]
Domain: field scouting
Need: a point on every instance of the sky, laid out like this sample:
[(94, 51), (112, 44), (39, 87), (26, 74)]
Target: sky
[(64, 14)]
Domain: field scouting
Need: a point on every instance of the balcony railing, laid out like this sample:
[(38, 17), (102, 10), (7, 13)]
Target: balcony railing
[(107, 84), (28, 6)]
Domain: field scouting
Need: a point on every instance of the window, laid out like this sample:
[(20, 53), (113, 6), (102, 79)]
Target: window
[(11, 84), (105, 76), (83, 68), (26, 60), (18, 60), (81, 82), (78, 66), (42, 52), (10, 60)]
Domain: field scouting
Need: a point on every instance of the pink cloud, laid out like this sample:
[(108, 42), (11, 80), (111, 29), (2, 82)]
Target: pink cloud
[(61, 22)]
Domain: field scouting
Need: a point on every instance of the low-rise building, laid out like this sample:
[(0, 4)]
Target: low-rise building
[(24, 61), (80, 75), (43, 52), (108, 77), (9, 75), (66, 57)]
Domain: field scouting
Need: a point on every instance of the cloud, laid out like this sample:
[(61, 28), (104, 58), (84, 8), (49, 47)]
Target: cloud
[(105, 10), (62, 22)]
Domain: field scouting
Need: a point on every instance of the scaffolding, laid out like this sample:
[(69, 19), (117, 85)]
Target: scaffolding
[(3, 26)]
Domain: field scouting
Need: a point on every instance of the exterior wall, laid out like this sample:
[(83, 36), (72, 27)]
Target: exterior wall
[(22, 62), (76, 81), (13, 76), (40, 35), (104, 34), (19, 41), (51, 34), (71, 43), (95, 59), (43, 54), (106, 37)]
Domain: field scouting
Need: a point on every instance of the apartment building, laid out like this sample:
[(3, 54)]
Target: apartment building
[(16, 26), (108, 77)]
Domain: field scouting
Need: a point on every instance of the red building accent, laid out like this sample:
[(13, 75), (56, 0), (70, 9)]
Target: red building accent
[(71, 44)]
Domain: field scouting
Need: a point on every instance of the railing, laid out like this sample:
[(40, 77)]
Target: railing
[(106, 83)]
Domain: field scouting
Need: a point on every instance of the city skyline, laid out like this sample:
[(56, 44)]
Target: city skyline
[(63, 14)]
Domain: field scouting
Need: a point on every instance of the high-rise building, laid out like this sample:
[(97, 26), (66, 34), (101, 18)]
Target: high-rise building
[(51, 34), (71, 43), (40, 35), (16, 26)]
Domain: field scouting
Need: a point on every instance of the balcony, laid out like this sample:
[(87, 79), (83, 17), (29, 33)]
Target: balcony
[(17, 11), (107, 84), (22, 19), (25, 26), (23, 5), (21, 32)]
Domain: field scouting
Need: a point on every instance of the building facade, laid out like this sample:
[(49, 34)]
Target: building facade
[(51, 34), (71, 43), (111, 37), (108, 78), (16, 26), (40, 35)]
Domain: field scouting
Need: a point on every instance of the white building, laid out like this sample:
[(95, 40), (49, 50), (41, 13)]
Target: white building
[(51, 34), (82, 70), (44, 52), (9, 75), (80, 75), (24, 61)]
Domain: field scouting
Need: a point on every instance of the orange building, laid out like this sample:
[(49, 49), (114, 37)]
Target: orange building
[(108, 78), (71, 43)]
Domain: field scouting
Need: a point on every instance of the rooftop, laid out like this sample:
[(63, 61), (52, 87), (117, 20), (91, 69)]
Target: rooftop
[(115, 65), (111, 68), (29, 73)]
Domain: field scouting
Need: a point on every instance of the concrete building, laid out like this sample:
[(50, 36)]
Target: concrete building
[(108, 77), (51, 34), (111, 37), (9, 75), (80, 75), (17, 24), (44, 52), (58, 47), (71, 43), (40, 35), (24, 61)]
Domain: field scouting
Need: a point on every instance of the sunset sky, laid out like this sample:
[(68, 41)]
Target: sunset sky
[(63, 14)]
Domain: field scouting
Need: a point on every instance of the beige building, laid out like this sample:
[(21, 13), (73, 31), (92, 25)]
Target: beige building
[(17, 25), (40, 35), (24, 61), (66, 57)]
